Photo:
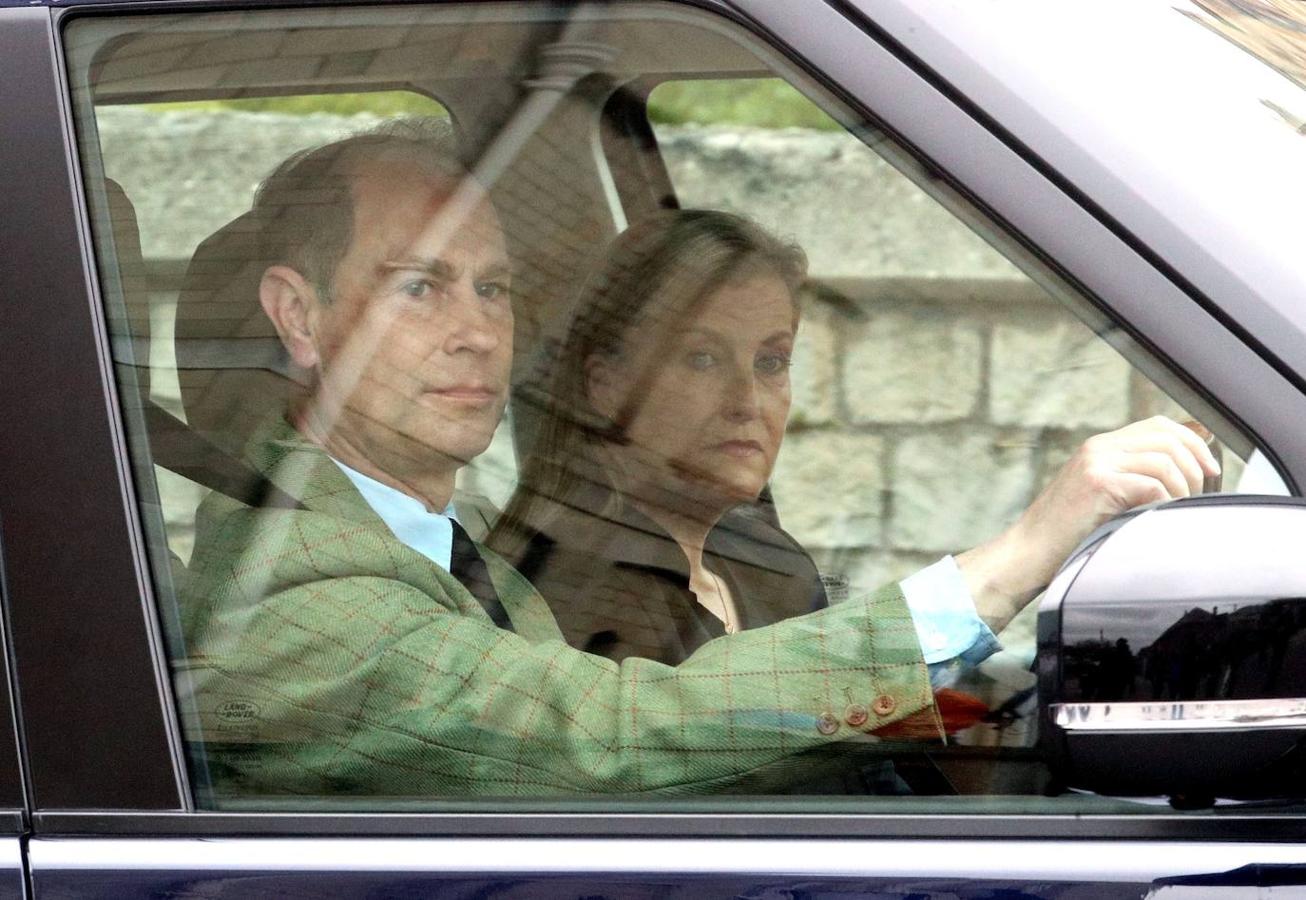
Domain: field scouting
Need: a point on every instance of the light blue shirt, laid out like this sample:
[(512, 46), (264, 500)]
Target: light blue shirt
[(430, 534), (948, 626)]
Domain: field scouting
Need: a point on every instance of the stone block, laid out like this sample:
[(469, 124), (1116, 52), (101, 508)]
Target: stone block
[(829, 488), (1058, 374), (872, 569), (952, 490), (860, 571), (814, 375), (901, 368)]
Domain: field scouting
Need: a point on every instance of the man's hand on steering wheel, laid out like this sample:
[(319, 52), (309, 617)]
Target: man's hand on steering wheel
[(1146, 462)]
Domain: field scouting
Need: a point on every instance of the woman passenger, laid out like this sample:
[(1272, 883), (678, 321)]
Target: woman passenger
[(637, 515)]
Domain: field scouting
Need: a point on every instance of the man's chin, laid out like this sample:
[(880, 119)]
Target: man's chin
[(463, 453), (457, 443)]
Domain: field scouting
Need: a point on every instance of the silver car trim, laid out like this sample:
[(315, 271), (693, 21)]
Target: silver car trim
[(1181, 715), (1131, 861)]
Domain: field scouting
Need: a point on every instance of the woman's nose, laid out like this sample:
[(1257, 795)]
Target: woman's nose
[(741, 402)]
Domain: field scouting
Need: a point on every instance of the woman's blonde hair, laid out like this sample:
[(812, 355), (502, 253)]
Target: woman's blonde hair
[(658, 272)]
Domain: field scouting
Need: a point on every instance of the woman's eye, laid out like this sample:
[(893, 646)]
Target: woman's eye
[(772, 363), (700, 360)]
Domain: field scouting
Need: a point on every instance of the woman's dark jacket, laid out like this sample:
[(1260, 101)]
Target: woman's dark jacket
[(619, 584)]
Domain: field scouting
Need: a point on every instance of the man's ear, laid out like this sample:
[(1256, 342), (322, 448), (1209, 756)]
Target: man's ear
[(293, 306), (602, 385)]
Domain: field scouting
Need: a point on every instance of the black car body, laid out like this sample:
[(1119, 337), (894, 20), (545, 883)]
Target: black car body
[(1166, 239)]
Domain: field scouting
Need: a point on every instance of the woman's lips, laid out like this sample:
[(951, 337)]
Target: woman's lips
[(740, 449)]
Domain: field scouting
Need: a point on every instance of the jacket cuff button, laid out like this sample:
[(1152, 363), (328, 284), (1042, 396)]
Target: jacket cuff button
[(826, 723), (856, 715), (884, 705)]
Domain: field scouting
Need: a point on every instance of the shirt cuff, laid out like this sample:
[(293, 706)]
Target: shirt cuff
[(943, 611)]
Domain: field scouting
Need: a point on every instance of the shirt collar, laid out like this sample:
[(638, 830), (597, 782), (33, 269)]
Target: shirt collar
[(408, 519)]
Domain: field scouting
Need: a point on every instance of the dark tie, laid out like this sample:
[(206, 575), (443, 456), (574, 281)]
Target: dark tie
[(466, 565)]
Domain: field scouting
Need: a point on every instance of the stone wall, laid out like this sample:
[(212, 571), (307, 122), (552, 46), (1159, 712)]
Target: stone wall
[(936, 387)]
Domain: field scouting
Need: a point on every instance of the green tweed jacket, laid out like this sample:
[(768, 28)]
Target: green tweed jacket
[(325, 658)]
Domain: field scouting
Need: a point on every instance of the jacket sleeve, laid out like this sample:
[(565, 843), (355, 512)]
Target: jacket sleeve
[(305, 677)]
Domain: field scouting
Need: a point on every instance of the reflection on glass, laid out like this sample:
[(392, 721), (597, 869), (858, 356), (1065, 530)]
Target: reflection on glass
[(1235, 651)]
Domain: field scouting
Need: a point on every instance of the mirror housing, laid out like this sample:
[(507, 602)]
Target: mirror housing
[(1172, 653)]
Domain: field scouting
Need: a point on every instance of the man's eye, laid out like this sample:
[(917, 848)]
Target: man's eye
[(491, 290), (700, 360), (417, 288), (772, 363)]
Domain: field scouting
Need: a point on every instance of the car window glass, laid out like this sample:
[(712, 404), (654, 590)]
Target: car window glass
[(568, 431)]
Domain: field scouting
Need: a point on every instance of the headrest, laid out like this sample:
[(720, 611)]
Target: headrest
[(233, 370)]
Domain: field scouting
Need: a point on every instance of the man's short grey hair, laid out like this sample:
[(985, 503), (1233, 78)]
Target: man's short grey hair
[(306, 205)]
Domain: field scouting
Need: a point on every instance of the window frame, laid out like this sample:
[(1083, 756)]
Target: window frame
[(84, 467), (65, 469)]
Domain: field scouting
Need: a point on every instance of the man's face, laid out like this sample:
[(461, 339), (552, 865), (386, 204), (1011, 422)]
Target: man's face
[(415, 346)]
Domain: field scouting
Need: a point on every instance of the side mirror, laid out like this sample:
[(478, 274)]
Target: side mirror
[(1172, 653)]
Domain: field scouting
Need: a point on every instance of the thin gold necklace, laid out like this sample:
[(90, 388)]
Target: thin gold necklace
[(727, 621)]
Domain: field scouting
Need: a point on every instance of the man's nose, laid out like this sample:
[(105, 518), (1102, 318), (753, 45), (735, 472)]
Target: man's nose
[(473, 325)]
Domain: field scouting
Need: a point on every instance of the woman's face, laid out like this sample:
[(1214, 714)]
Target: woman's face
[(708, 397)]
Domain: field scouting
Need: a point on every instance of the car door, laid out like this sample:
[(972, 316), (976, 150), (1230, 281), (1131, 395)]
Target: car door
[(973, 313), (13, 833)]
